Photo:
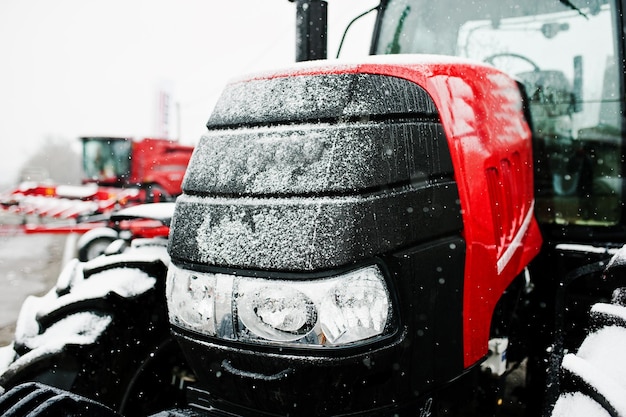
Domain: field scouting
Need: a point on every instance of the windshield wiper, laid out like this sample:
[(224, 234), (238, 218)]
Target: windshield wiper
[(574, 7), (394, 45)]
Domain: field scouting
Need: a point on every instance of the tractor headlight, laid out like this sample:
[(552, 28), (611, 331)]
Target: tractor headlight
[(331, 311)]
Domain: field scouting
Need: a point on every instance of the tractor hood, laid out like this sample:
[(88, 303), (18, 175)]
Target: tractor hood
[(301, 172), (341, 224)]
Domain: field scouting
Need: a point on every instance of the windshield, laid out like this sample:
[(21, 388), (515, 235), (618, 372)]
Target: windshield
[(565, 54), (106, 159)]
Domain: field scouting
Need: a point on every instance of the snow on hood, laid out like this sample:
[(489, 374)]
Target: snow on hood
[(576, 247), (315, 158), (308, 233), (315, 171), (318, 98)]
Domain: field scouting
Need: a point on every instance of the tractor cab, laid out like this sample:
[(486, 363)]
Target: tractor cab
[(106, 160), (156, 166), (567, 55)]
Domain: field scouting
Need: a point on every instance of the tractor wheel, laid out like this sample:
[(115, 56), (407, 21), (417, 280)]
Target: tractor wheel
[(593, 378), (94, 243), (102, 333)]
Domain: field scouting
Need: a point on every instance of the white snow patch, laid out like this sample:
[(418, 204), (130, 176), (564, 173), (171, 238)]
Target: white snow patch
[(571, 247), (149, 211), (619, 257), (79, 329), (7, 356), (127, 282), (612, 310), (602, 382), (578, 405), (72, 271), (76, 191), (27, 325), (604, 350)]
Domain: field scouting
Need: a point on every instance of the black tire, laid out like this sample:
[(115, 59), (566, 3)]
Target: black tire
[(108, 332), (94, 248), (93, 243), (592, 378), (36, 400)]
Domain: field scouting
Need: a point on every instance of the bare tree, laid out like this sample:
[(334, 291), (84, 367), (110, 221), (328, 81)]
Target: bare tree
[(55, 160)]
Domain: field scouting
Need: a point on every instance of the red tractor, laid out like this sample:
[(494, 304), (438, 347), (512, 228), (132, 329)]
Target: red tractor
[(118, 172), (154, 165), (399, 236)]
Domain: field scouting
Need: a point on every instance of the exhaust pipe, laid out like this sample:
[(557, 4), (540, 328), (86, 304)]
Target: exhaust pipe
[(311, 29)]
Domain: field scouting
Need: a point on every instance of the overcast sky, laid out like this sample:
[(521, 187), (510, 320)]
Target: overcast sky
[(71, 68)]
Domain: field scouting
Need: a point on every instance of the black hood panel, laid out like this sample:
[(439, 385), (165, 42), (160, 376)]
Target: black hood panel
[(315, 172)]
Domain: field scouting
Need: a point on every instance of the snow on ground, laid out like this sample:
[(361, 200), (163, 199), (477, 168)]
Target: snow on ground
[(29, 265)]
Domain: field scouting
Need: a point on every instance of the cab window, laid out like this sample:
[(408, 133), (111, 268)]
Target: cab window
[(565, 55)]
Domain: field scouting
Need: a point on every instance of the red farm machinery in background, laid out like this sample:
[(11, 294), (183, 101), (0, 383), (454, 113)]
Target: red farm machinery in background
[(154, 166), (117, 173)]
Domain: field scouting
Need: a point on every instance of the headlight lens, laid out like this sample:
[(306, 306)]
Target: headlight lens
[(333, 311), (274, 313)]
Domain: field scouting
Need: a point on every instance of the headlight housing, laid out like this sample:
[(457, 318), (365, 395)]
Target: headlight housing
[(333, 311)]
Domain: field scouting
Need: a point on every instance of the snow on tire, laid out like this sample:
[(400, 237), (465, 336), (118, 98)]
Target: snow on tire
[(101, 332), (594, 378)]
